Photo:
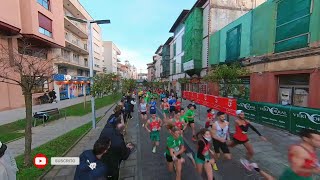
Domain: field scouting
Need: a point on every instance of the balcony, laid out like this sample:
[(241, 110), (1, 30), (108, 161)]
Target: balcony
[(75, 28), (76, 44), (68, 60)]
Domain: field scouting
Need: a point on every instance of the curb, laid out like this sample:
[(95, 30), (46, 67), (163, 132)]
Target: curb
[(74, 144)]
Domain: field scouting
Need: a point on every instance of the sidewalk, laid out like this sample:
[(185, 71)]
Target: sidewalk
[(87, 142), (271, 155), (20, 113), (52, 130)]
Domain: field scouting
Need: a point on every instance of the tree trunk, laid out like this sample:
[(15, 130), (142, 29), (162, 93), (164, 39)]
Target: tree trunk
[(28, 131)]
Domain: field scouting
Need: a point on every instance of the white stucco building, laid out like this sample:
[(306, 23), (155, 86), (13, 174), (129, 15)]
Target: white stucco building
[(110, 54)]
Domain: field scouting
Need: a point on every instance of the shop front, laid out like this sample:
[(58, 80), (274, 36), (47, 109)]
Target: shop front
[(69, 87)]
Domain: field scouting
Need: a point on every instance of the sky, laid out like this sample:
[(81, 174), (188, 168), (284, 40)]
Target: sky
[(138, 27)]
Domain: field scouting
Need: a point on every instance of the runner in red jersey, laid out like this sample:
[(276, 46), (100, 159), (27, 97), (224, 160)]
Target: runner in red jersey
[(210, 118), (153, 126), (241, 137), (179, 122), (178, 105), (303, 158)]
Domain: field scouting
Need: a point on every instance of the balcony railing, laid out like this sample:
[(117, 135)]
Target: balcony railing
[(79, 25), (76, 41)]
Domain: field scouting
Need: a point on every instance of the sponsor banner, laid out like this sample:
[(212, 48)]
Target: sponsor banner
[(184, 94), (274, 115), (304, 118), (250, 110), (228, 105), (205, 100), (201, 99)]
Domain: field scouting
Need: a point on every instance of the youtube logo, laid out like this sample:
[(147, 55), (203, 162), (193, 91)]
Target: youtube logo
[(40, 161)]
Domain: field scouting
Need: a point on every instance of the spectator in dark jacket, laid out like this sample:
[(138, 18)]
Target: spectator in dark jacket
[(119, 150), (91, 167)]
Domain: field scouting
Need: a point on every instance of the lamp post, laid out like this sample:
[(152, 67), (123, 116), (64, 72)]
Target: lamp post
[(91, 59)]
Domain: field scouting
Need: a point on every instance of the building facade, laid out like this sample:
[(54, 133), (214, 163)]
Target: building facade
[(73, 58), (42, 25), (157, 59), (151, 72), (177, 52), (111, 59), (279, 42)]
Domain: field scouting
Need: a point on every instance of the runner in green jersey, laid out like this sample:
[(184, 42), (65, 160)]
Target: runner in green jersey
[(175, 147), (190, 120)]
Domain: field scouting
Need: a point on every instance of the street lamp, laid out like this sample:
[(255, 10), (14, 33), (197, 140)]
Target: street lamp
[(91, 59)]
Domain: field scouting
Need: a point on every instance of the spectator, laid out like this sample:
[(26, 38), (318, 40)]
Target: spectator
[(127, 109), (119, 150), (52, 95), (8, 166), (91, 166)]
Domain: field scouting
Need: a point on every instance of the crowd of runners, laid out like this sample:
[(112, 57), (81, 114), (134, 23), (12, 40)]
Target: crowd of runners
[(177, 120)]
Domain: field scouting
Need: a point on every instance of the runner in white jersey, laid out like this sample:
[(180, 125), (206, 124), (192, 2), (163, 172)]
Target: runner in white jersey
[(220, 135), (143, 110)]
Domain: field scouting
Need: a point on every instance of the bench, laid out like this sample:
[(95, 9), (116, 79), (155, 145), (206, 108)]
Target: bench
[(45, 115)]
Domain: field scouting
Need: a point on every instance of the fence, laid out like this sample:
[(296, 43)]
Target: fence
[(288, 118)]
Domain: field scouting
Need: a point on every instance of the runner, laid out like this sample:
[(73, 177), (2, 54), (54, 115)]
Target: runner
[(241, 137), (165, 107), (303, 157), (254, 166), (203, 159), (178, 105), (175, 147), (210, 118), (143, 111), (154, 124), (172, 103), (153, 106), (179, 122), (220, 134), (190, 120)]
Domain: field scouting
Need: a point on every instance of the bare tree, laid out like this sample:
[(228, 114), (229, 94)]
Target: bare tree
[(28, 68)]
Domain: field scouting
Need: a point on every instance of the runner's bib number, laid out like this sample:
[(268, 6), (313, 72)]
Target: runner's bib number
[(176, 149)]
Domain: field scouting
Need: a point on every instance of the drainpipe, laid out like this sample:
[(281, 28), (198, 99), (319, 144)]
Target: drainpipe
[(208, 44)]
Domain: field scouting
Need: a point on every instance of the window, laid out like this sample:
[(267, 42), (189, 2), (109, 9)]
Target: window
[(96, 48), (233, 44), (65, 54), (86, 62), (182, 43), (32, 51), (44, 3), (80, 72), (294, 89), (45, 25), (62, 70), (41, 85), (174, 49), (181, 64), (76, 57), (293, 22), (97, 65)]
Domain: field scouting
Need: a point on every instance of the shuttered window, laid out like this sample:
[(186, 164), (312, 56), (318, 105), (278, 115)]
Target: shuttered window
[(233, 44), (293, 22), (45, 22)]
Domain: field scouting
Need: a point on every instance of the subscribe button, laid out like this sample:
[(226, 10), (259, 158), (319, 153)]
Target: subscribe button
[(40, 161), (65, 161)]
